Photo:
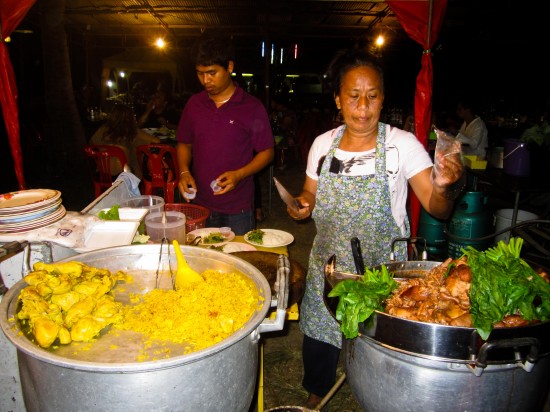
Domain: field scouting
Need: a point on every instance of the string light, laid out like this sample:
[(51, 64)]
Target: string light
[(380, 40)]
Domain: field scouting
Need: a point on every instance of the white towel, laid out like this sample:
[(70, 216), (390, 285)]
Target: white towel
[(132, 182)]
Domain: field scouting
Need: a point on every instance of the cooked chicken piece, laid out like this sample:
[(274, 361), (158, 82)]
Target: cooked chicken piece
[(87, 287), (64, 336), (404, 313), (32, 303), (36, 277), (72, 268), (45, 330), (67, 300), (459, 281), (454, 311), (104, 286), (107, 308), (87, 328), (415, 293), (43, 290), (79, 310), (463, 320), (60, 284), (511, 321)]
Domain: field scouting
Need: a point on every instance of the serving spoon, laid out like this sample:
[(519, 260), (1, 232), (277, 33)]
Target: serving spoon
[(184, 274)]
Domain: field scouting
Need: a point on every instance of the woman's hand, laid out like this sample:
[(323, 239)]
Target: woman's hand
[(303, 213), (449, 170)]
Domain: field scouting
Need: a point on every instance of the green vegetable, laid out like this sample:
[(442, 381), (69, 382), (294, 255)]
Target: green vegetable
[(140, 239), (214, 237), (111, 214), (256, 236), (504, 284), (359, 299)]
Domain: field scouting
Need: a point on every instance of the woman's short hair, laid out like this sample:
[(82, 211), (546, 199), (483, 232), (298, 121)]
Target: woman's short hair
[(348, 59)]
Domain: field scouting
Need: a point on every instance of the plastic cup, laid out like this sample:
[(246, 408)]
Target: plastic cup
[(155, 204), (214, 186), (172, 228), (225, 231), (191, 195)]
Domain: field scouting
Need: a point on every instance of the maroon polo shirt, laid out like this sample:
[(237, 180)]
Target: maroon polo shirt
[(223, 139)]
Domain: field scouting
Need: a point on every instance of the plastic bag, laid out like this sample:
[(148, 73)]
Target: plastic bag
[(446, 146), (448, 149)]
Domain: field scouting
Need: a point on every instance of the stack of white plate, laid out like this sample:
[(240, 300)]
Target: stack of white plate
[(30, 209)]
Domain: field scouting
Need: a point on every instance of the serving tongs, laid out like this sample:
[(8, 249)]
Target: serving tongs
[(281, 287), (164, 241)]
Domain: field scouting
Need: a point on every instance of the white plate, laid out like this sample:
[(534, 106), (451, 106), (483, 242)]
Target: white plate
[(109, 233), (30, 215), (282, 238), (35, 223), (238, 247), (203, 232), (26, 200)]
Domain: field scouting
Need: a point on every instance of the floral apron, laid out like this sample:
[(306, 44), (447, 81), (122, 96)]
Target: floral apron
[(347, 207)]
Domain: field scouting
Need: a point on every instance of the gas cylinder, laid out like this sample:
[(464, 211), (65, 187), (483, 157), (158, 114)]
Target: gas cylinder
[(470, 221), (433, 230)]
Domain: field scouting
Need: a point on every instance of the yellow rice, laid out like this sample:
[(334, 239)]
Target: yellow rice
[(199, 315)]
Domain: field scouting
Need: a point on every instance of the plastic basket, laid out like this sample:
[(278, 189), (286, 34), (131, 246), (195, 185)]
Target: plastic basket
[(195, 215)]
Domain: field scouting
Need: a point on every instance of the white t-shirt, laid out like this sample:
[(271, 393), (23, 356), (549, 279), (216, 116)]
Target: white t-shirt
[(405, 157), (474, 137)]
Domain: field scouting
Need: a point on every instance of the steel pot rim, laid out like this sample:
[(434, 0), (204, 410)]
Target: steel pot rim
[(249, 330)]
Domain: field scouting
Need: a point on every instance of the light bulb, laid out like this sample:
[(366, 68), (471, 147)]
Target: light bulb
[(160, 43)]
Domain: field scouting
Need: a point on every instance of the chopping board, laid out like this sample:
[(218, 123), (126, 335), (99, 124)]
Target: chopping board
[(266, 262)]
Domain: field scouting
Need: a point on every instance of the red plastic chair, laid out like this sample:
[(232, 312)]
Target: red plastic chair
[(159, 169), (102, 157)]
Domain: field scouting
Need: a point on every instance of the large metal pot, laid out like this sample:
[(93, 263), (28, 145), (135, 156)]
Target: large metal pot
[(402, 365), (108, 376)]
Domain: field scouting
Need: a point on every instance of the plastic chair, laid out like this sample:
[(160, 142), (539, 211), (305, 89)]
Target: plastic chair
[(159, 169), (102, 159)]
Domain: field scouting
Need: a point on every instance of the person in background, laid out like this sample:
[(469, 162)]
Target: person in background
[(158, 113), (224, 138), (356, 185), (473, 133), (121, 129)]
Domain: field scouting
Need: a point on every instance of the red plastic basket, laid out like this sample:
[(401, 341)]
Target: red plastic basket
[(195, 215)]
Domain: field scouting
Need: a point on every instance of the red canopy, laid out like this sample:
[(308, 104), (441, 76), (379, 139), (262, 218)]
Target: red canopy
[(422, 20), (11, 14)]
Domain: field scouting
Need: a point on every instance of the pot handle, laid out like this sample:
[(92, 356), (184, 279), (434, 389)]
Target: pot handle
[(526, 364), (412, 241), (281, 290)]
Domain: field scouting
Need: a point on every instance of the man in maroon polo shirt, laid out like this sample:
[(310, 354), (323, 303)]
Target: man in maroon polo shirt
[(224, 138)]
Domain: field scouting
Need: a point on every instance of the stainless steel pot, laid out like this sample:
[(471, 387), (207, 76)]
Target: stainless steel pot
[(108, 376), (383, 379), (402, 365)]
